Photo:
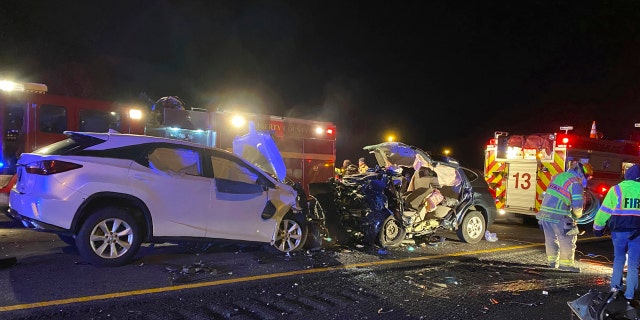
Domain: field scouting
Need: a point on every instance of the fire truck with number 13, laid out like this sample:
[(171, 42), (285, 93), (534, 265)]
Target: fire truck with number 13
[(518, 168)]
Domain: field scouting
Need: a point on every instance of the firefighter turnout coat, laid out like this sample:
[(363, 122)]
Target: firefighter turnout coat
[(564, 193), (620, 208)]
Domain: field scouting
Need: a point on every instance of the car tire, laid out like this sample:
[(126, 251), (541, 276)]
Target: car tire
[(392, 233), (472, 228), (291, 234), (96, 241)]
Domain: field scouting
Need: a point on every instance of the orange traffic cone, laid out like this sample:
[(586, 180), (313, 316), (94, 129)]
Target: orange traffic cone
[(593, 134)]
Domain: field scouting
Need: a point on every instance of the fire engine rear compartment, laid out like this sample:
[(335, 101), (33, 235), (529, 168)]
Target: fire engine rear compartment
[(521, 186), (519, 168)]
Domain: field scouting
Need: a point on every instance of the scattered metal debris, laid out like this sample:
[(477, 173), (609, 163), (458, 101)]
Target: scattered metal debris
[(451, 280), (382, 310), (529, 304), (491, 237), (530, 271), (194, 272)]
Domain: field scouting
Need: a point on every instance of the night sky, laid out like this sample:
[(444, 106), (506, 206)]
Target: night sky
[(439, 74)]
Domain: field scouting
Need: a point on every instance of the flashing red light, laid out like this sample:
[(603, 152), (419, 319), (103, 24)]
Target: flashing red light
[(329, 130), (602, 189), (563, 139)]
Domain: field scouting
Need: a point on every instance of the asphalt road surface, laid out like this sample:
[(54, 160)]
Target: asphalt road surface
[(505, 279)]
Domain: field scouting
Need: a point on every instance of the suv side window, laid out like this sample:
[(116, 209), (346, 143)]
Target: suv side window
[(230, 170), (175, 161)]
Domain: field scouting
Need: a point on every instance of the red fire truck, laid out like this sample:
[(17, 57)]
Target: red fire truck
[(31, 118), (518, 168)]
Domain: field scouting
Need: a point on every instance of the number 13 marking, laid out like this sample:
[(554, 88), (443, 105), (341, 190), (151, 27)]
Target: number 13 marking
[(523, 181)]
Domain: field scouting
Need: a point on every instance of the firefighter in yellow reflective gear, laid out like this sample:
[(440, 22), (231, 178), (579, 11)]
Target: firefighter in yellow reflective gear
[(620, 212), (561, 205), (362, 166)]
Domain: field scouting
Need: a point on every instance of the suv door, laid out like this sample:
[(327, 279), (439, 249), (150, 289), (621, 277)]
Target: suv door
[(175, 190), (239, 200)]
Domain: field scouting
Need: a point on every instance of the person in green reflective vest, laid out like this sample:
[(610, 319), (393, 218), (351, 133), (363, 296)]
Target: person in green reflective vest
[(561, 206), (620, 212)]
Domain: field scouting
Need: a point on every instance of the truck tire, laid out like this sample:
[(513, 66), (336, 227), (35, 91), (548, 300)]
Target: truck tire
[(472, 228)]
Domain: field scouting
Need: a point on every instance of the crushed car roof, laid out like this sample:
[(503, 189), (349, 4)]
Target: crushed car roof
[(398, 153)]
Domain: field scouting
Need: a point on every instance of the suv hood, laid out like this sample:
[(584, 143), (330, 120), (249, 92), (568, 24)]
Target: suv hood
[(259, 148), (396, 153)]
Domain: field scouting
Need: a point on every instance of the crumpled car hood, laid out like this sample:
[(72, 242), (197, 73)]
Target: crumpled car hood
[(259, 148)]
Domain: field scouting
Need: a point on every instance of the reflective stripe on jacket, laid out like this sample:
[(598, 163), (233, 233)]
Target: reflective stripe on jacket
[(563, 193), (620, 208)]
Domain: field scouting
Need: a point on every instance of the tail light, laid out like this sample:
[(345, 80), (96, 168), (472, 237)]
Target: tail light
[(48, 167), (601, 189)]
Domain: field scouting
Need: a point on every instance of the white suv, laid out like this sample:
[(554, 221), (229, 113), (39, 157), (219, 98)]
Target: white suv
[(107, 193)]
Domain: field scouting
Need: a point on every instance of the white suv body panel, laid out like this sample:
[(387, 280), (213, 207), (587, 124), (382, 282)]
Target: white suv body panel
[(56, 208), (179, 203), (174, 200)]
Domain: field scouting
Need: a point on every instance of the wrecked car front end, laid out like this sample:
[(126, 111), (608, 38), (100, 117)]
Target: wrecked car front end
[(354, 206), (408, 195)]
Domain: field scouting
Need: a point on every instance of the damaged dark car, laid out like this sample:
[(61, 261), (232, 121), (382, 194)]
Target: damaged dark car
[(409, 195)]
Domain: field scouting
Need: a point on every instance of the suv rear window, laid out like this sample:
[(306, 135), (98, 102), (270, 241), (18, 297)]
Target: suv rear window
[(73, 144)]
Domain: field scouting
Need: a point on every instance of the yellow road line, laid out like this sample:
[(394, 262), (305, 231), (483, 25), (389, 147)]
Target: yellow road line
[(258, 277)]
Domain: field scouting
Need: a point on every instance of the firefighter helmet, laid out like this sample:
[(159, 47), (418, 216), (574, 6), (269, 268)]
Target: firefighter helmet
[(583, 170), (632, 173)]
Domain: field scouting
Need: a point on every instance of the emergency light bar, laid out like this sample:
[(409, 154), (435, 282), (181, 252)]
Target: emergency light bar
[(23, 86)]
